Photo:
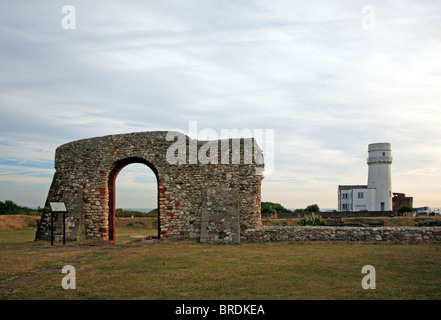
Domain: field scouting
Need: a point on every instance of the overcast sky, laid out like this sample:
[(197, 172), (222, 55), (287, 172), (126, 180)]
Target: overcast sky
[(329, 77)]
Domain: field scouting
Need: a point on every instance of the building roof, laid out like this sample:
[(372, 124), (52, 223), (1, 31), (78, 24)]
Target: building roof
[(350, 187)]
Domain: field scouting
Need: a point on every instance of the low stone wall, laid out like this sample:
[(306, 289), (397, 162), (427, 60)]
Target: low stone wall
[(288, 233), (366, 214), (332, 215)]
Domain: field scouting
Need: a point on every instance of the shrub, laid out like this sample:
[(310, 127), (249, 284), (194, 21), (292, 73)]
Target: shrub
[(133, 213), (429, 223), (404, 209), (10, 207), (313, 208), (271, 207), (312, 220)]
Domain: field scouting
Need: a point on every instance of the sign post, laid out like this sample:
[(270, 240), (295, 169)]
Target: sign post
[(56, 208)]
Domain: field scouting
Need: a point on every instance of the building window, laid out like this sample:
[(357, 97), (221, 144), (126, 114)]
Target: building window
[(345, 206), (360, 195), (344, 196)]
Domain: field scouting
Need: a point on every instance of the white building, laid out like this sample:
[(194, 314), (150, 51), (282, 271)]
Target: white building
[(377, 194)]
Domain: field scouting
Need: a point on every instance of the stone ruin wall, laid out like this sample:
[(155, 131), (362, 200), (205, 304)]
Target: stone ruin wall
[(209, 202), (213, 203), (359, 234)]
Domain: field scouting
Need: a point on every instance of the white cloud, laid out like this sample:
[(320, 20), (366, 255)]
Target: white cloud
[(307, 70), (136, 187), (19, 175)]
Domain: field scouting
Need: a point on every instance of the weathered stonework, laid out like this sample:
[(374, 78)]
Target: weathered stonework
[(212, 202), (320, 233), (216, 202)]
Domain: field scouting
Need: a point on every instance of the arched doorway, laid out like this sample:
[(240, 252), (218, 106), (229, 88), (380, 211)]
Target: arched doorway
[(112, 191)]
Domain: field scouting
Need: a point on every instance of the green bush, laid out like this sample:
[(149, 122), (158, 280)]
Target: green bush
[(313, 208), (10, 207), (429, 223), (271, 207), (404, 209), (124, 213), (312, 220)]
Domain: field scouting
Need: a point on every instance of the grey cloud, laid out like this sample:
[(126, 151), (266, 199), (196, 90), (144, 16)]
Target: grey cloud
[(307, 70)]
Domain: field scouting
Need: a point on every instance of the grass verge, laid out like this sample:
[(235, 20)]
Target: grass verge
[(191, 270)]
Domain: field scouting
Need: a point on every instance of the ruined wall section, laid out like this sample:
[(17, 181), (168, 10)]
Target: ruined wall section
[(84, 170)]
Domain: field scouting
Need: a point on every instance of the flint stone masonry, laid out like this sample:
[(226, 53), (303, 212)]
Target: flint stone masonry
[(212, 202), (292, 233), (217, 202)]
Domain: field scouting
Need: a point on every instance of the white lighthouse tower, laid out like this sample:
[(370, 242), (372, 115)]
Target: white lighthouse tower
[(379, 176)]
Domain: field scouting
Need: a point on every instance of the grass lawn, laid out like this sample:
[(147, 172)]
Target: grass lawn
[(191, 270), (129, 228)]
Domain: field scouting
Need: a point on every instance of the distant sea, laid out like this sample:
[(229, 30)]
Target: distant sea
[(139, 209)]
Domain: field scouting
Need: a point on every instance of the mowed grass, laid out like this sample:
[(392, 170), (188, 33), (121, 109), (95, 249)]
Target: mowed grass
[(129, 228), (190, 270), (264, 271)]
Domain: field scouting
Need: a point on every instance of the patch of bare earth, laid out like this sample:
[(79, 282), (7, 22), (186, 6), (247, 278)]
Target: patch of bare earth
[(13, 222)]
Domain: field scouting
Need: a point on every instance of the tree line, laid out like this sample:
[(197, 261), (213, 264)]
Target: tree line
[(10, 207), (272, 207)]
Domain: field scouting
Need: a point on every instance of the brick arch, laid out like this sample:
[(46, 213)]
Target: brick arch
[(117, 167)]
